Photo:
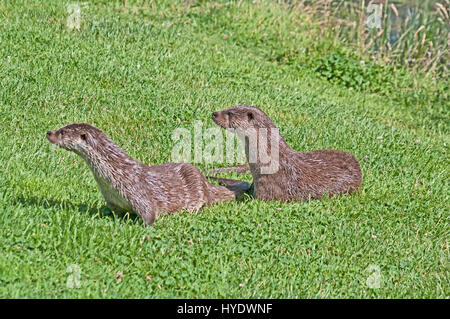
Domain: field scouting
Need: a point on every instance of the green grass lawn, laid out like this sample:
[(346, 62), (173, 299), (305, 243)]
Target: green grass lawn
[(138, 73)]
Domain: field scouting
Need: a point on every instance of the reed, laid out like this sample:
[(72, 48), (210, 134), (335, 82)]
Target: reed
[(399, 33)]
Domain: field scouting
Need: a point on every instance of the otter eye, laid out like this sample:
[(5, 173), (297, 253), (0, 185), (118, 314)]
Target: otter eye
[(250, 116), (61, 132), (229, 114), (83, 137)]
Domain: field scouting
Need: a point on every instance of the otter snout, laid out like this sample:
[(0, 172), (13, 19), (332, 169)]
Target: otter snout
[(51, 136), (218, 118)]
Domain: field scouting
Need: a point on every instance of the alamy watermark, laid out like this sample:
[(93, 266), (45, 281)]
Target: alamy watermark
[(374, 12), (373, 281), (215, 145), (74, 19), (74, 279)]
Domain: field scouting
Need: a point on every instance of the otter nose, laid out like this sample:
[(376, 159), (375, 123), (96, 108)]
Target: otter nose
[(215, 114), (48, 133)]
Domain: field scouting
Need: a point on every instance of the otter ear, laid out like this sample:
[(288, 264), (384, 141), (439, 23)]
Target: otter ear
[(87, 138), (250, 116)]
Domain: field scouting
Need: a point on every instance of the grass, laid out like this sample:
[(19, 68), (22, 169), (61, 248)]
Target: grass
[(142, 70)]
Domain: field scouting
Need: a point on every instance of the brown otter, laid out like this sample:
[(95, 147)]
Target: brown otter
[(131, 186), (297, 175)]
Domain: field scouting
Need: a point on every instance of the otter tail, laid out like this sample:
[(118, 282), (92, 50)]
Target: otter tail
[(229, 169), (224, 181), (228, 192), (229, 188)]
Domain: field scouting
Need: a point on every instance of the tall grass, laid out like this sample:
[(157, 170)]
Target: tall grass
[(415, 36)]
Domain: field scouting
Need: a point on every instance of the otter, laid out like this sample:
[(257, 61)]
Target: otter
[(293, 175), (130, 186)]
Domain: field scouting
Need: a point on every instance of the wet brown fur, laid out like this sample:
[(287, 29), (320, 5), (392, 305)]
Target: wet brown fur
[(130, 186), (300, 175)]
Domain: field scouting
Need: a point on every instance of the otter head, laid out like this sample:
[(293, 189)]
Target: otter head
[(242, 117), (76, 137)]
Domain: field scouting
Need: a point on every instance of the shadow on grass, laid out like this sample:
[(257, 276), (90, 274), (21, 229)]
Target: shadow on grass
[(44, 203)]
